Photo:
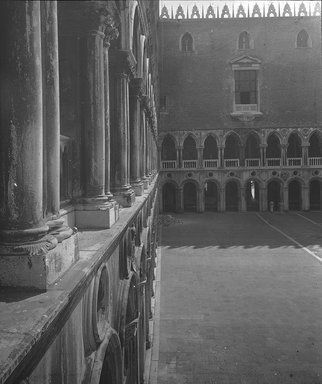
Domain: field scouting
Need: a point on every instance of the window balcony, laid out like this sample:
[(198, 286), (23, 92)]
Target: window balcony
[(294, 162), (315, 161), (169, 164), (190, 164), (252, 163), (213, 163), (231, 163), (272, 163), (242, 108)]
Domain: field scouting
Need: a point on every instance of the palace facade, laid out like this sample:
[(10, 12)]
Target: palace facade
[(240, 119)]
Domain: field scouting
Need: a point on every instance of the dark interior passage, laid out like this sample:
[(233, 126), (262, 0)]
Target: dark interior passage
[(315, 195), (252, 196), (294, 196), (273, 150), (190, 197), (232, 196), (274, 194), (210, 148)]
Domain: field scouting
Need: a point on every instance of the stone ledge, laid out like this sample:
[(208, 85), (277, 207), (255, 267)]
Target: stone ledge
[(29, 322)]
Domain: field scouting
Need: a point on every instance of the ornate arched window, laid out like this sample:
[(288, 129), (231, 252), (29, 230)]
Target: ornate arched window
[(186, 42), (302, 40), (244, 41)]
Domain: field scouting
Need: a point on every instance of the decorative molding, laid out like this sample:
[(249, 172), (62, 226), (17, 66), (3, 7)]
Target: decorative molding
[(32, 248)]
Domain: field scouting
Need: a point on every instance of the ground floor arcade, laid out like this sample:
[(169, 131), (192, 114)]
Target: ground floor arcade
[(233, 195)]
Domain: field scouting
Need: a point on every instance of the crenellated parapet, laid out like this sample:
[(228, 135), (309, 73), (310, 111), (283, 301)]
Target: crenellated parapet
[(235, 9)]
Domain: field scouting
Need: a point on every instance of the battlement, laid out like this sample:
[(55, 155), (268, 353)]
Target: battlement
[(188, 9)]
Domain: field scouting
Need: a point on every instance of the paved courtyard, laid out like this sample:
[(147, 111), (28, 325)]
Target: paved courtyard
[(239, 300)]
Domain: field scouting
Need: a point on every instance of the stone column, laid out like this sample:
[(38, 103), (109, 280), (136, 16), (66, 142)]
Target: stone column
[(263, 199), (305, 154), (135, 155), (222, 200), (284, 200), (221, 156), (180, 149), (242, 155), (263, 154), (94, 209), (24, 243), (305, 197), (144, 152), (242, 206), (284, 155), (51, 118), (200, 200), (123, 193), (200, 157), (179, 200)]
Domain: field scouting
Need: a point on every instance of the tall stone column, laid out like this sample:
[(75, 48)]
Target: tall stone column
[(200, 200), (200, 157), (242, 205), (305, 154), (221, 156), (222, 200), (94, 209), (284, 155), (263, 199), (23, 232), (284, 199), (263, 154), (179, 200), (305, 197), (180, 149), (143, 151), (242, 155), (135, 155), (123, 193)]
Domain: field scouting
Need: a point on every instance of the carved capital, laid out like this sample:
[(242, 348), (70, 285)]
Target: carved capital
[(137, 87), (124, 63), (99, 16)]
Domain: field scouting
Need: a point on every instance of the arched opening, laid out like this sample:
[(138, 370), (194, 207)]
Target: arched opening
[(232, 151), (232, 196), (252, 151), (315, 148), (111, 371), (294, 150), (211, 196), (252, 195), (244, 40), (169, 197), (273, 151), (294, 196), (189, 149), (302, 40), (274, 194), (210, 150), (190, 197), (168, 150), (186, 43), (315, 195)]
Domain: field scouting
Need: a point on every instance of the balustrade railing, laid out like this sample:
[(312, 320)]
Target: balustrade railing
[(294, 161), (231, 163), (169, 164), (315, 161), (190, 163), (273, 162), (213, 163), (251, 163)]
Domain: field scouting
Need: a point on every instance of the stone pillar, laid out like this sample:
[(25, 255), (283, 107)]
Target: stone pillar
[(284, 200), (51, 118), (180, 149), (263, 199), (242, 155), (123, 193), (200, 200), (135, 115), (222, 200), (263, 148), (305, 197), (305, 154), (221, 156), (23, 233), (179, 200), (95, 209), (144, 152), (284, 155), (200, 157), (242, 206)]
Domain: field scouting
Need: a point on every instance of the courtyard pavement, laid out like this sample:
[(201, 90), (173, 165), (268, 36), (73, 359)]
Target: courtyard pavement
[(239, 300)]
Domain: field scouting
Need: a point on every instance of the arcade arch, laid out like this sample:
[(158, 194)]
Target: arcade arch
[(232, 195), (190, 196), (211, 196), (274, 194), (294, 195), (168, 149), (315, 188), (169, 197)]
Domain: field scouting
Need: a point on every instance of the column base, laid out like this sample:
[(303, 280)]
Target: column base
[(125, 197), (91, 215), (24, 265), (138, 188)]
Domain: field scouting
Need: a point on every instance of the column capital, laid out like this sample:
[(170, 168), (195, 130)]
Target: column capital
[(137, 88), (100, 17), (124, 63)]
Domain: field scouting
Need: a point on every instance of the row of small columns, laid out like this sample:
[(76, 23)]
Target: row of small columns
[(263, 203), (263, 157)]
